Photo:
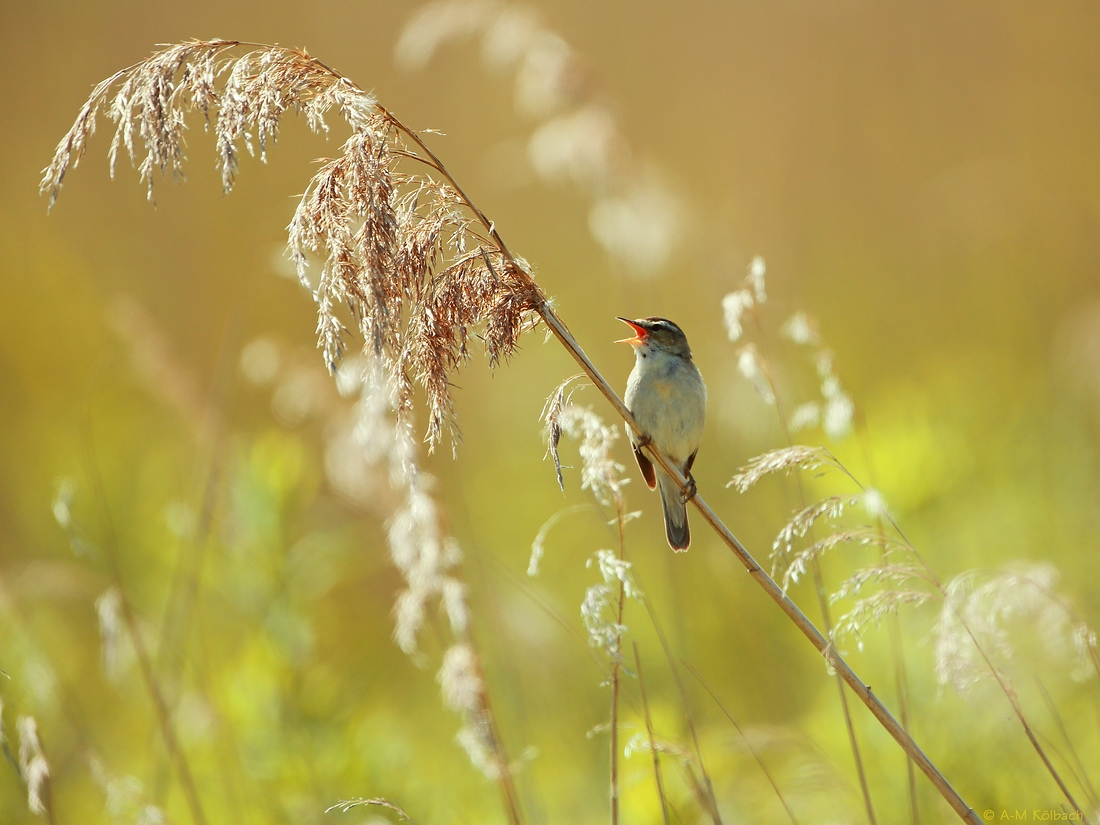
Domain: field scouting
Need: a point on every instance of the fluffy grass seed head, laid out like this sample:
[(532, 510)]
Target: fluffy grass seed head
[(873, 609), (733, 308), (464, 692), (108, 608), (401, 249), (994, 605), (33, 767), (600, 473), (754, 369), (785, 460), (601, 600)]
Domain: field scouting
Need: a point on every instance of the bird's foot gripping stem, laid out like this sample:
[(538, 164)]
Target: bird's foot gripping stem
[(689, 490)]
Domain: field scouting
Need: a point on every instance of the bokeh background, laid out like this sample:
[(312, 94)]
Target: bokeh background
[(921, 179)]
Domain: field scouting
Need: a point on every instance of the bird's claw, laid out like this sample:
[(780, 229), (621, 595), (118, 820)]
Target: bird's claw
[(689, 490), (643, 441)]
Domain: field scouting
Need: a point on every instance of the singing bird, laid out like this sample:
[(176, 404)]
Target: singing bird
[(667, 397)]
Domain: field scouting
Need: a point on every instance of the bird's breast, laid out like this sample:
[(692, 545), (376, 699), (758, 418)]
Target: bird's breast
[(669, 403)]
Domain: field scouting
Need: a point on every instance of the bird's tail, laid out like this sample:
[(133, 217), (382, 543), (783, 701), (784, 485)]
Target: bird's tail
[(676, 517)]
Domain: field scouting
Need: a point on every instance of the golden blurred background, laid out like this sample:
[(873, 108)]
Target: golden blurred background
[(923, 180)]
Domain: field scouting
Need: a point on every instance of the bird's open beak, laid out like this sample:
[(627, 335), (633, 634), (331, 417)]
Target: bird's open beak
[(640, 334)]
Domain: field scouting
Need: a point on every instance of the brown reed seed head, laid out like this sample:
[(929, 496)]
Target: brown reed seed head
[(419, 268)]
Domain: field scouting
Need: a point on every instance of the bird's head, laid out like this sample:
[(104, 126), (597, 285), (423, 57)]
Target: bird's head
[(657, 334)]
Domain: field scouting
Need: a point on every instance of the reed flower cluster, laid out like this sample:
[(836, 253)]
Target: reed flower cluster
[(416, 268)]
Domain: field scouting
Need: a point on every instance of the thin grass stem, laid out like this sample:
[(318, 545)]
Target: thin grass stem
[(708, 796), (815, 569), (616, 666), (901, 678), (652, 739), (745, 739), (1081, 773), (1000, 679), (160, 705)]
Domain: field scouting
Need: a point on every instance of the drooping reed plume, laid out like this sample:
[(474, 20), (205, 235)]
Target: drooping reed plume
[(420, 269), (417, 269)]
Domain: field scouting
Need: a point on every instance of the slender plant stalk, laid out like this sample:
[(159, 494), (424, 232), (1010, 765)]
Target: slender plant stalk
[(901, 679), (1018, 709), (708, 796), (1005, 687), (1081, 773), (901, 683), (745, 739), (504, 768), (819, 580), (652, 739), (160, 705), (616, 665), (165, 153)]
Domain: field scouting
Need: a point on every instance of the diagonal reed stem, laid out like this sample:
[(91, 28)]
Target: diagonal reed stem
[(774, 591), (818, 578)]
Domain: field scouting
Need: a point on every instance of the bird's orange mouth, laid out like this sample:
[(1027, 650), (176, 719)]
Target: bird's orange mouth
[(641, 333)]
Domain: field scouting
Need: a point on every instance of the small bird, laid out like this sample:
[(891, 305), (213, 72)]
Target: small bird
[(667, 397)]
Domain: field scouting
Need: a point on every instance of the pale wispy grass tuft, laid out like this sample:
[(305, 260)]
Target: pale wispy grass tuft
[(801, 329), (836, 419), (983, 607), (835, 411), (874, 504), (348, 804), (874, 609), (802, 521), (108, 608), (755, 370), (785, 460), (757, 270), (883, 571), (577, 148), (806, 416), (33, 767), (62, 505), (62, 508), (538, 546), (733, 308), (464, 692), (799, 563), (124, 797), (601, 601), (736, 303), (600, 472)]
